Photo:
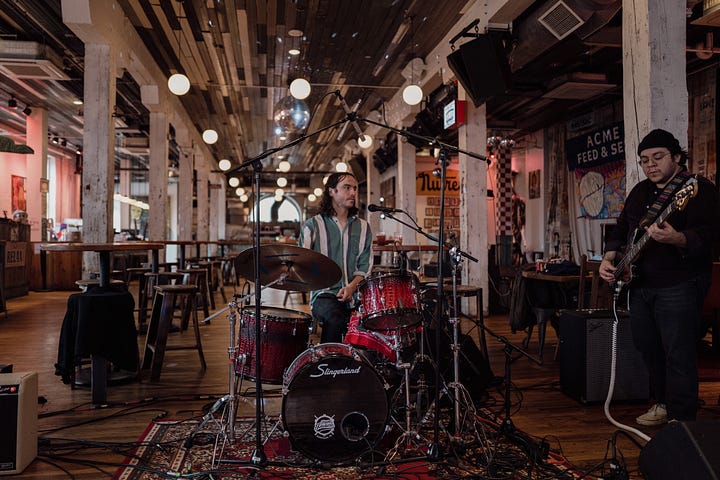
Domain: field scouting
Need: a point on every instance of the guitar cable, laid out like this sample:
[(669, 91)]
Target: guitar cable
[(613, 362)]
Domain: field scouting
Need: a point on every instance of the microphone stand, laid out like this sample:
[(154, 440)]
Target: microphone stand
[(258, 456)]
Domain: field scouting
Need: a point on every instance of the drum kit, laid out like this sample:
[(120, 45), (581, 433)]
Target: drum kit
[(339, 400)]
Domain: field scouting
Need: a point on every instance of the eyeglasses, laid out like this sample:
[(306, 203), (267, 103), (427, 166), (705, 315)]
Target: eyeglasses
[(656, 158)]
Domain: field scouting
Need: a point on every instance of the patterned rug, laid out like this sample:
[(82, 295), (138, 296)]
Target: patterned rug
[(164, 451)]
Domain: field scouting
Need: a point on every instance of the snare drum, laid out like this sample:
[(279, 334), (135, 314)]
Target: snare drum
[(389, 300), (335, 406), (283, 336)]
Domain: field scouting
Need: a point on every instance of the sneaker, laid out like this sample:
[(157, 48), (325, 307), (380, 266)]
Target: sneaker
[(657, 415)]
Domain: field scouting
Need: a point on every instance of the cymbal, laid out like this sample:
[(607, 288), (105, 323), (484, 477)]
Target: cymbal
[(305, 269)]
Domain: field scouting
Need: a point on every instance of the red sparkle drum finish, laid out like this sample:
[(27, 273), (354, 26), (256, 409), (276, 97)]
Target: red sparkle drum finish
[(389, 301), (335, 404), (387, 343), (284, 335)]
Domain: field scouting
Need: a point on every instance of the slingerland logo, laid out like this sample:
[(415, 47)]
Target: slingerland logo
[(323, 370)]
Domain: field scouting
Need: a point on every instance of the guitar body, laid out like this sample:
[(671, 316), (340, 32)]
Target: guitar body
[(640, 237)]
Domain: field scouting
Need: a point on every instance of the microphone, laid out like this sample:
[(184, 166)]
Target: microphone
[(378, 208), (350, 115)]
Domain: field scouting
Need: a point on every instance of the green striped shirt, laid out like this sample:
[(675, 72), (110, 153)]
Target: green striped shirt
[(350, 248)]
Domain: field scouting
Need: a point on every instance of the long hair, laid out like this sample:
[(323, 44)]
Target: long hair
[(326, 206)]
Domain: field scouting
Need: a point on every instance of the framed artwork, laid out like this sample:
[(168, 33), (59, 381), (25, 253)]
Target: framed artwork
[(534, 184), (19, 200), (428, 223), (429, 211)]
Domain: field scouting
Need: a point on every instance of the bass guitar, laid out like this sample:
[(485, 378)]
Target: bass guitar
[(678, 202)]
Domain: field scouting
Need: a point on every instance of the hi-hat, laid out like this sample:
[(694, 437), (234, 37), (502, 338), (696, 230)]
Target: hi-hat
[(304, 269)]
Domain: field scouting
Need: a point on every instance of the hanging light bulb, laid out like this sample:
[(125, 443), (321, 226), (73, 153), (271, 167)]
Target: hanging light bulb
[(365, 141), (341, 167), (210, 136), (284, 166), (241, 191), (300, 88), (179, 84), (234, 182), (278, 198), (279, 192), (412, 94), (224, 164), (312, 197), (318, 191), (282, 182), (243, 198), (325, 179)]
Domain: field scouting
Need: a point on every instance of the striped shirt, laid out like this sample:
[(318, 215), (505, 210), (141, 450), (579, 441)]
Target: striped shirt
[(350, 247)]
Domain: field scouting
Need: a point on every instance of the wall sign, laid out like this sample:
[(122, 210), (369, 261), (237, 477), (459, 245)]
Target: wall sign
[(428, 184), (596, 148)]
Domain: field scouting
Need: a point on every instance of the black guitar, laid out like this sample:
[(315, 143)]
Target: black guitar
[(678, 202)]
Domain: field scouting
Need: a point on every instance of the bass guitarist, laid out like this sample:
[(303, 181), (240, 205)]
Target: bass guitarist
[(670, 276)]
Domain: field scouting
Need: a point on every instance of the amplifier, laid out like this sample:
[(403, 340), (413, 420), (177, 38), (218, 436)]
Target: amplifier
[(18, 418), (585, 356)]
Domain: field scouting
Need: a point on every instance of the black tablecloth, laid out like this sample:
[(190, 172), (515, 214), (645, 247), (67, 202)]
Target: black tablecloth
[(98, 322)]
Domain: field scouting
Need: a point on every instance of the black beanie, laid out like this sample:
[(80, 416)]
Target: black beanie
[(660, 138)]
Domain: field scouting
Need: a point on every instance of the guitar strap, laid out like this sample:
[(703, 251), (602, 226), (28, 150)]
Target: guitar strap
[(664, 196)]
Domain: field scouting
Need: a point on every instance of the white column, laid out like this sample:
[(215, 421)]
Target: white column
[(203, 209), (98, 149), (406, 197), (472, 137), (37, 139), (158, 176), (654, 79)]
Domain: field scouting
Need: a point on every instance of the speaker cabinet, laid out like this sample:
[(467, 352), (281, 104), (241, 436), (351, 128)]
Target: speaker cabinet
[(683, 451), (481, 66), (18, 418), (585, 356)]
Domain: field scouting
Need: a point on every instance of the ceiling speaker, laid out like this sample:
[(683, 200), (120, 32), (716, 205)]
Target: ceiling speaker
[(481, 66)]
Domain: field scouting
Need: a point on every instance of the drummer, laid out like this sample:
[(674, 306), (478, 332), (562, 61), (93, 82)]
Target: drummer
[(338, 233)]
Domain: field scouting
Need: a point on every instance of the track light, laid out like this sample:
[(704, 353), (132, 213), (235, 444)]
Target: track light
[(63, 143), (27, 111), (55, 140), (12, 103)]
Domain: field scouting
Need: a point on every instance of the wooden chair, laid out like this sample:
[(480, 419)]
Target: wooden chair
[(599, 295)]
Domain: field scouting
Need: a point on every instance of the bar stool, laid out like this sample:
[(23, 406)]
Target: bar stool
[(206, 291), (166, 297), (151, 280), (138, 273), (198, 277)]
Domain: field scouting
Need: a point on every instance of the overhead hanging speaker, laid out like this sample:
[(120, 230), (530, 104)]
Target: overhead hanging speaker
[(481, 66)]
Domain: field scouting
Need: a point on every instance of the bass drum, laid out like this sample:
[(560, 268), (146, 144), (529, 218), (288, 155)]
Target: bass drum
[(335, 404)]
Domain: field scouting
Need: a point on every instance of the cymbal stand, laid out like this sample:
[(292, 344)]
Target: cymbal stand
[(454, 321), (411, 437)]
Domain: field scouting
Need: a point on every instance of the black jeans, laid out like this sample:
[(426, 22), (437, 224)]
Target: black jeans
[(665, 323), (334, 316)]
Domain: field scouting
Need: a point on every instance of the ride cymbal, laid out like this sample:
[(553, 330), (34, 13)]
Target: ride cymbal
[(304, 269)]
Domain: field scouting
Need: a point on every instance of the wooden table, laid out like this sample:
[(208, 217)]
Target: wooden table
[(98, 381), (104, 250)]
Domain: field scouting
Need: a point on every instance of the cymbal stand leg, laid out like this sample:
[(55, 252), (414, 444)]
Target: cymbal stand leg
[(410, 439), (232, 354), (455, 323)]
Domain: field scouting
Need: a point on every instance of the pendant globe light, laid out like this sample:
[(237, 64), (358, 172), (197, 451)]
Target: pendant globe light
[(179, 83), (412, 94), (300, 88)]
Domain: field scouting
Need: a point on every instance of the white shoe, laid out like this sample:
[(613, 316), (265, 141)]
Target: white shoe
[(657, 415)]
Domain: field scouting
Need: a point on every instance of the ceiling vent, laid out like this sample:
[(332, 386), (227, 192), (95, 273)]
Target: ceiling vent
[(560, 20), (19, 59)]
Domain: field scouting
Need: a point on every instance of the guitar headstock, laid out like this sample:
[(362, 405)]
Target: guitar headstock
[(682, 196)]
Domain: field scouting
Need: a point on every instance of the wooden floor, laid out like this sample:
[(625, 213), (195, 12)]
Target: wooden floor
[(29, 340)]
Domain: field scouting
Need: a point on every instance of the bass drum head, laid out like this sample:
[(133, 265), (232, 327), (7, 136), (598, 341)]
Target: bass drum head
[(335, 407)]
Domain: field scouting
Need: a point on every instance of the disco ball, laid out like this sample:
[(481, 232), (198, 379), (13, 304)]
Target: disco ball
[(291, 115)]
